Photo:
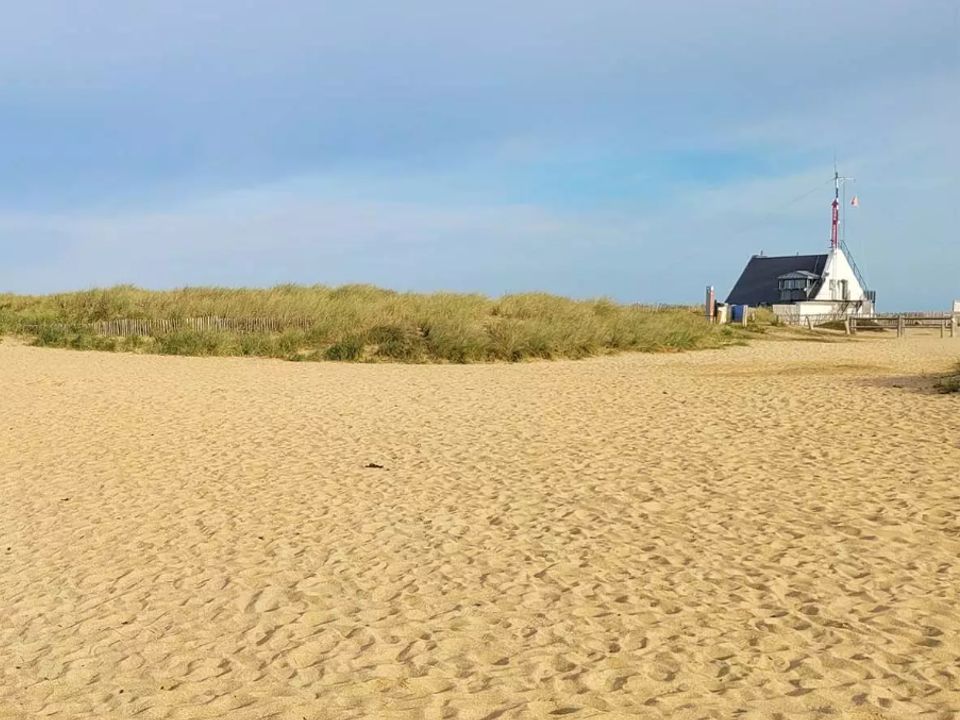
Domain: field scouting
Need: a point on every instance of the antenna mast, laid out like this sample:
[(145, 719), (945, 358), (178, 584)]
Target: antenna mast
[(835, 226)]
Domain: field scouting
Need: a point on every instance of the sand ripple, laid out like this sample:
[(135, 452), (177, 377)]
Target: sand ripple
[(763, 532)]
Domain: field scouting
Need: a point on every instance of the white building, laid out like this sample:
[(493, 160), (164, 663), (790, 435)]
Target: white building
[(801, 286)]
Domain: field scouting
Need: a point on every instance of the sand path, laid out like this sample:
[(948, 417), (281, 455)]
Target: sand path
[(760, 532)]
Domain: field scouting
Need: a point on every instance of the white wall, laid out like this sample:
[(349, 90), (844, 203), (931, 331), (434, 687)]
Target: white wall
[(837, 269), (796, 313)]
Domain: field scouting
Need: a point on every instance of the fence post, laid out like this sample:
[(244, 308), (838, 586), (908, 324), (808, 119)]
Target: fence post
[(901, 326)]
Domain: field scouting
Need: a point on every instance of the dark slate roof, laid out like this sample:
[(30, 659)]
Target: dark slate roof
[(758, 282)]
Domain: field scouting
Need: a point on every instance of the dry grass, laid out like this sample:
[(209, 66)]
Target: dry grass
[(951, 382), (364, 323)]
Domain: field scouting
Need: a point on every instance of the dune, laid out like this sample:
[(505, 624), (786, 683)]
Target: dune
[(766, 532)]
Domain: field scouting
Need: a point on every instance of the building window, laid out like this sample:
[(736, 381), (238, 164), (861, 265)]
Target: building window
[(795, 284)]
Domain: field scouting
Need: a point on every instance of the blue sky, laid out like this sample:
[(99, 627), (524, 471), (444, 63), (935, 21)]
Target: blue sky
[(635, 150)]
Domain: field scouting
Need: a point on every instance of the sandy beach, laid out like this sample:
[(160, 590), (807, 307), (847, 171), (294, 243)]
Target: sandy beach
[(760, 532)]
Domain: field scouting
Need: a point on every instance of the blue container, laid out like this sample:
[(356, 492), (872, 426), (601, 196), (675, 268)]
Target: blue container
[(739, 312)]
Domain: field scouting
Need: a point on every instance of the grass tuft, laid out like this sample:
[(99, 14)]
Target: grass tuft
[(350, 348), (951, 382), (760, 319)]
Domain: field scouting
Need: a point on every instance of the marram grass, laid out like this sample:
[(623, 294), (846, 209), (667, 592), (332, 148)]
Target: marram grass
[(363, 323)]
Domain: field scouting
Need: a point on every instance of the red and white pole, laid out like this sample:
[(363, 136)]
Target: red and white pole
[(835, 227)]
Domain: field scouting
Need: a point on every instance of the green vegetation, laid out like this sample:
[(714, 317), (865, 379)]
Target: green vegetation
[(760, 319), (951, 382), (360, 323)]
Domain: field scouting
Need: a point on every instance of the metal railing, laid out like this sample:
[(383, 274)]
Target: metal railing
[(853, 264)]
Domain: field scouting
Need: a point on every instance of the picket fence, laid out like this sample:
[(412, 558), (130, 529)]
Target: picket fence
[(812, 320), (127, 327)]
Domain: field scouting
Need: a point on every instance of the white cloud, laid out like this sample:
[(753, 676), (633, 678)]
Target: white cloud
[(421, 162)]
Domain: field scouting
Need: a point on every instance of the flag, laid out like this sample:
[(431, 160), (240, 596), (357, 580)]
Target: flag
[(855, 202)]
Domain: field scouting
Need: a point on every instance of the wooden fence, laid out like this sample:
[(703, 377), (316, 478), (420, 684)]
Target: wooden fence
[(149, 327), (127, 327), (900, 323), (812, 321), (947, 324), (660, 307)]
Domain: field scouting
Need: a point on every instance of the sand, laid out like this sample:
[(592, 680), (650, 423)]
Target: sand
[(759, 532)]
